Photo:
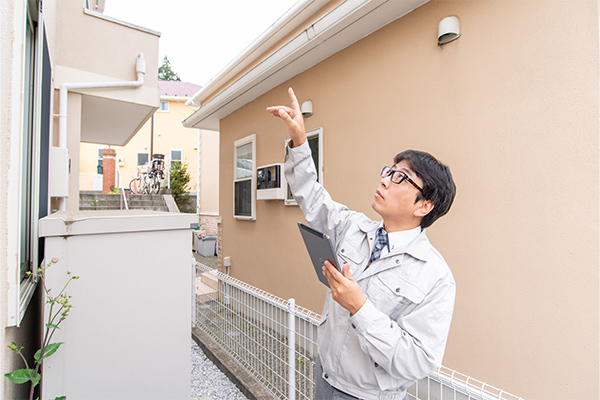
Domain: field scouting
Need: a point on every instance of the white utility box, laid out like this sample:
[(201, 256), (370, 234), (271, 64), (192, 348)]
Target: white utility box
[(128, 335), (59, 172), (270, 182)]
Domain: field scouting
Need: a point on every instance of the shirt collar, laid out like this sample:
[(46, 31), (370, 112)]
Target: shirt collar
[(418, 243)]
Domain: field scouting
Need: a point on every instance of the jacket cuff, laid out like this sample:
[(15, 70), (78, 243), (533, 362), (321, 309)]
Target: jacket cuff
[(297, 153), (361, 321)]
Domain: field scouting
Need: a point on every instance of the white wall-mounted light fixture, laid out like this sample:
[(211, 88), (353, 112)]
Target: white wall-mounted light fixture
[(307, 109), (448, 30)]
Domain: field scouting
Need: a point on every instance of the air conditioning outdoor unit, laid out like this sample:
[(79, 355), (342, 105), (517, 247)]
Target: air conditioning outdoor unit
[(271, 183)]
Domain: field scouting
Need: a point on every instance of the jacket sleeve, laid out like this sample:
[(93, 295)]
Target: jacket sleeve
[(320, 211), (411, 347)]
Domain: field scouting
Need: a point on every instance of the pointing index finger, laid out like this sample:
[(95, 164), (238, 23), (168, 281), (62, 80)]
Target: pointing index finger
[(294, 100)]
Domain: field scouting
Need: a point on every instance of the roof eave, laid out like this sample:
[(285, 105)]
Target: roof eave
[(325, 37)]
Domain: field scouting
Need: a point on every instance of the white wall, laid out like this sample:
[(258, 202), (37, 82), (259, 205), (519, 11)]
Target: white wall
[(128, 336)]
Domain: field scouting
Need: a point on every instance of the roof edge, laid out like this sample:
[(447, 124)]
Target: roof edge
[(277, 31)]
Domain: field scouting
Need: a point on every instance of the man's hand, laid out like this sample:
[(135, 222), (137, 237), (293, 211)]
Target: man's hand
[(344, 289), (292, 116)]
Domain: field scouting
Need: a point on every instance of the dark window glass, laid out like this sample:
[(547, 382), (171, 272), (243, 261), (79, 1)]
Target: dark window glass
[(243, 198)]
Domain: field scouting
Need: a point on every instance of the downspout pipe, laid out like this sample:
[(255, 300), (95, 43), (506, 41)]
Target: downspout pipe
[(140, 68)]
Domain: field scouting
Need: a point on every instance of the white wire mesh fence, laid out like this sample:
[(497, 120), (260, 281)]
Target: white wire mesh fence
[(252, 326), (275, 341)]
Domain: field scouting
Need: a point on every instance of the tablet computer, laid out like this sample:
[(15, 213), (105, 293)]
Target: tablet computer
[(319, 248)]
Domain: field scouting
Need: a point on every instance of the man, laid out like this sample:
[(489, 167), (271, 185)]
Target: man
[(388, 324)]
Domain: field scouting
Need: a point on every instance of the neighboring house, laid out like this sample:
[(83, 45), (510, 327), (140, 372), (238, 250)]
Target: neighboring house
[(511, 107), (64, 80), (164, 134)]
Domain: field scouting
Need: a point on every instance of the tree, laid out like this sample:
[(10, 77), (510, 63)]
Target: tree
[(179, 179), (165, 73)]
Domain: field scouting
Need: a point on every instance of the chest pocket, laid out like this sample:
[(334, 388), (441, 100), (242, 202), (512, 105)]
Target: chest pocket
[(393, 295), (349, 253)]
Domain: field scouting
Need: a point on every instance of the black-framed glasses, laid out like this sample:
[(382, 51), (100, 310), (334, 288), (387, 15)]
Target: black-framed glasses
[(398, 176)]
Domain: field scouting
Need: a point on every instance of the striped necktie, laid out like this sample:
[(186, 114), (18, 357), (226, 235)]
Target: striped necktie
[(381, 240)]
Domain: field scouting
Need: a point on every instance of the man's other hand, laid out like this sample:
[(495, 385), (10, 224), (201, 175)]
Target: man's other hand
[(344, 289)]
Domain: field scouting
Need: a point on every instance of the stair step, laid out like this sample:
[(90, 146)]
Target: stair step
[(204, 292), (92, 200)]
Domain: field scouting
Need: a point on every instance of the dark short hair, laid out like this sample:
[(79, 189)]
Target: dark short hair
[(438, 185)]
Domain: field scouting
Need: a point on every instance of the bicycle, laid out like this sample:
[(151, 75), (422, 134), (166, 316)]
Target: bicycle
[(148, 182)]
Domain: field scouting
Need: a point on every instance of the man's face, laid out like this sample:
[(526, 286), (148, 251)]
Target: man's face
[(396, 203)]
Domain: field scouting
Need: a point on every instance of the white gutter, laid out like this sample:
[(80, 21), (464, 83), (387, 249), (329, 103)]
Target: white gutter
[(280, 28), (140, 68)]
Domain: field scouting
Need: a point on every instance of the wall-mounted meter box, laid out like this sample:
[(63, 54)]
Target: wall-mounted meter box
[(59, 172), (270, 182)]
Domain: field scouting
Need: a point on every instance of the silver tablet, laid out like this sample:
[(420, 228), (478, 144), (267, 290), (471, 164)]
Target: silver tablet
[(319, 248)]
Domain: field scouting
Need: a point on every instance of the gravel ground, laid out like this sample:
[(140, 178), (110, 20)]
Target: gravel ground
[(208, 382), (208, 261)]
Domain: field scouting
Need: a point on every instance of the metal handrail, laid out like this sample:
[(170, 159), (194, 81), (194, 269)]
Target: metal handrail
[(124, 198)]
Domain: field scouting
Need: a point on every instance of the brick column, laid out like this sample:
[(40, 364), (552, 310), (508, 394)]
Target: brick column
[(108, 169)]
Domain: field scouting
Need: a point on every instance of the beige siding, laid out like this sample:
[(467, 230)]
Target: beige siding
[(512, 108)]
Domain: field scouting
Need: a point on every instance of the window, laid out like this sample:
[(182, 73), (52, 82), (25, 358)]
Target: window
[(27, 183), (244, 178), (164, 106), (100, 157), (315, 142), (142, 158), (176, 157)]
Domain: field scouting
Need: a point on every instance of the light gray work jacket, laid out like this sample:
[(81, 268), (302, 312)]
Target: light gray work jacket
[(400, 333)]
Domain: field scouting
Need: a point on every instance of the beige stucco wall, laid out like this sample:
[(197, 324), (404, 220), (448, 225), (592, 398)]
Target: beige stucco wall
[(97, 51), (209, 172), (512, 108)]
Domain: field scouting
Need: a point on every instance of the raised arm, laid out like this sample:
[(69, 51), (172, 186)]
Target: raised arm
[(292, 116)]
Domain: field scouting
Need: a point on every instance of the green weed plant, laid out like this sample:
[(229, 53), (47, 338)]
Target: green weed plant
[(59, 308)]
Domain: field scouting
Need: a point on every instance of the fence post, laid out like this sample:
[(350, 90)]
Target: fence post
[(292, 349)]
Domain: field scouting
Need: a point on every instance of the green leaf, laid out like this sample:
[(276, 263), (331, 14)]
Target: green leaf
[(52, 326), (61, 398), (20, 376), (48, 351)]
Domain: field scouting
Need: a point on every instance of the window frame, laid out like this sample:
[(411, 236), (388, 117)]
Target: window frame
[(171, 157), (251, 139), (318, 132), (137, 158), (27, 184), (99, 155), (170, 164), (167, 109)]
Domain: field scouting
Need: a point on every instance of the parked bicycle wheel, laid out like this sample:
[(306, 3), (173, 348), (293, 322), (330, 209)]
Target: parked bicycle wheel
[(135, 185), (155, 184)]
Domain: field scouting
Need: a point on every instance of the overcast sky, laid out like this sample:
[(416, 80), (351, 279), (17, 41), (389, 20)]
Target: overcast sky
[(200, 37)]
